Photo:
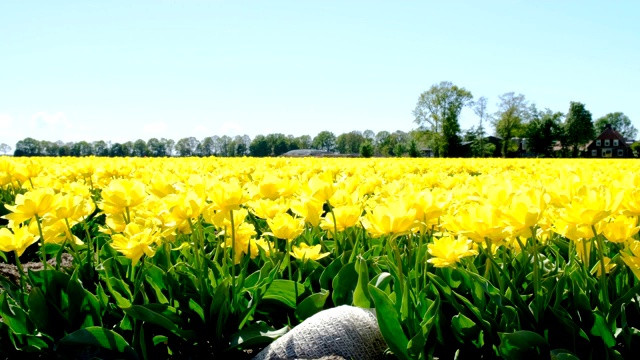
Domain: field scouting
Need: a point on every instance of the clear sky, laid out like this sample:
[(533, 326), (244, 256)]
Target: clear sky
[(127, 70)]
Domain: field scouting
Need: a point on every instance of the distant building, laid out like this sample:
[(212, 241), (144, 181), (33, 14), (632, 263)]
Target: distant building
[(609, 144), (426, 152), (315, 153)]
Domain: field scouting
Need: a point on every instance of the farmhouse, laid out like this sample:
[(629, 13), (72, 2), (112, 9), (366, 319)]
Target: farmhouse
[(609, 144)]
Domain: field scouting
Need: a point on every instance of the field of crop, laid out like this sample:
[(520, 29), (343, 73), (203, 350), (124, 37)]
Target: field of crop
[(207, 257)]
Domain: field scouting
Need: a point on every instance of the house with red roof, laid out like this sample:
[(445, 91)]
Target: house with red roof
[(609, 144)]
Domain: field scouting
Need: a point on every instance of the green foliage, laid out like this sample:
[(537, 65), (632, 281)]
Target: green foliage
[(510, 118), (579, 127), (349, 143), (438, 110), (259, 147), (543, 130), (413, 149), (366, 149), (635, 147), (325, 140), (191, 301), (399, 150), (619, 122)]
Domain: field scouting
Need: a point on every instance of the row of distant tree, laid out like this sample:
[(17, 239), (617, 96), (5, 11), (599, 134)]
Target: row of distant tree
[(437, 114), (383, 143), (438, 109)]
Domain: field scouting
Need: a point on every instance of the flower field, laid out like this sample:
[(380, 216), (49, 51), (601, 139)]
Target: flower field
[(207, 257)]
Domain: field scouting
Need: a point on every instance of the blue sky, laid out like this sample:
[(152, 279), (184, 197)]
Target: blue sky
[(127, 70)]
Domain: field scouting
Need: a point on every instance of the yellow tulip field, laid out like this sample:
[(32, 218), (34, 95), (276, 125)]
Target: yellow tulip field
[(210, 257)]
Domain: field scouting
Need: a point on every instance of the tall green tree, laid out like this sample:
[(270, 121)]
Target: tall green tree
[(5, 149), (259, 146), (578, 126), (366, 149), (100, 148), (81, 148), (478, 147), (382, 143), (325, 140), (413, 149), (480, 109), (437, 111), (168, 145), (543, 130), (619, 122), (156, 148), (369, 135), (187, 146), (49, 148), (28, 147), (206, 147), (140, 148), (510, 118), (349, 143)]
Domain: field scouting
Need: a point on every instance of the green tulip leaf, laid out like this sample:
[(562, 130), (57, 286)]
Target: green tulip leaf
[(104, 342), (311, 305), (284, 291), (389, 323)]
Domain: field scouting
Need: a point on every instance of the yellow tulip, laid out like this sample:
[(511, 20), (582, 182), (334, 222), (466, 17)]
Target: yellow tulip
[(122, 194), (285, 226), (227, 195), (26, 172), (306, 252), (263, 244), (447, 251), (631, 202), (345, 217), (55, 232), (243, 243), (267, 209), (479, 222), (429, 205), (187, 206), (394, 218), (135, 241), (309, 210), (620, 229), (319, 189), (269, 187), (73, 208), (524, 211), (38, 202), (590, 205), (163, 184), (608, 266), (222, 219), (18, 241), (631, 257)]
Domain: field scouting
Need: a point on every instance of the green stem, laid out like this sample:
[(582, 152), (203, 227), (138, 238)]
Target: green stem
[(516, 295), (233, 260), (167, 252), (127, 215), (603, 271), (586, 262), (21, 271), (89, 248), (295, 285), (42, 252), (197, 249), (494, 264), (536, 275), (403, 284), (335, 229)]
